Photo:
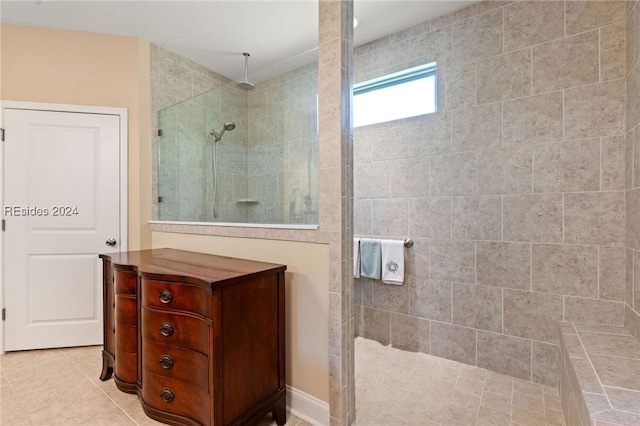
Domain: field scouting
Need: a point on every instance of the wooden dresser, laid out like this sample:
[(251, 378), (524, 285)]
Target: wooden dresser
[(199, 337)]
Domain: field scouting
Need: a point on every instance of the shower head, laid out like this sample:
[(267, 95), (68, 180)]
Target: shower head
[(245, 84), (227, 127)]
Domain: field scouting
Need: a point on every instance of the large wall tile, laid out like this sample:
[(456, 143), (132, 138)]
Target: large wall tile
[(477, 306), (390, 217), (583, 15), (569, 166), (630, 266), (477, 128), (594, 218), (477, 218), (432, 46), (630, 37), (362, 217), (565, 269), (632, 207), (633, 97), (632, 321), (636, 160), (428, 134), (453, 174), (430, 217), (409, 177), (568, 62), (362, 148), (372, 180), (504, 354), (612, 52), (628, 159), (504, 264), (452, 260), (505, 171), (533, 119), (477, 37), (612, 273), (461, 86), (513, 80), (544, 363), (409, 333), (454, 17), (612, 173), (430, 299), (393, 298), (362, 288), (594, 110), (417, 258), (635, 303), (381, 149), (593, 311), (536, 218), (453, 342), (377, 325), (532, 315), (527, 23)]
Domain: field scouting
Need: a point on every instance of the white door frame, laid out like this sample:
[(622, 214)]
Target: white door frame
[(124, 144)]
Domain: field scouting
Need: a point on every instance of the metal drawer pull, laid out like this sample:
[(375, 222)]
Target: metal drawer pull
[(166, 329), (165, 296), (166, 394), (166, 362)]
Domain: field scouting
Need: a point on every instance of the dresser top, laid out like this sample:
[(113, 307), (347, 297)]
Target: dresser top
[(180, 265)]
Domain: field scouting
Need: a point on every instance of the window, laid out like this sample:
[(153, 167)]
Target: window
[(399, 95)]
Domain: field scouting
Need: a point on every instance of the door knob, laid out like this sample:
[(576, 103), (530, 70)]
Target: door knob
[(110, 242)]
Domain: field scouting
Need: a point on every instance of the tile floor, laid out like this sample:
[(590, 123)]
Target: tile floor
[(395, 387), (61, 387)]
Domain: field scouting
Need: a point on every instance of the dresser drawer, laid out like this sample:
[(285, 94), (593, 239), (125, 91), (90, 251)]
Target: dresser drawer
[(175, 396), (176, 363), (175, 329), (125, 310), (126, 338), (126, 367), (125, 282), (175, 296)]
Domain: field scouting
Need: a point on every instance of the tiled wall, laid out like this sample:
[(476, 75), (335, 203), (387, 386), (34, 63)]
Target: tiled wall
[(267, 166), (632, 175), (183, 90), (514, 191), (283, 148), (185, 156)]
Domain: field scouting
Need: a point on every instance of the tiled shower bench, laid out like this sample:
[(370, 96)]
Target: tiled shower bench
[(599, 375)]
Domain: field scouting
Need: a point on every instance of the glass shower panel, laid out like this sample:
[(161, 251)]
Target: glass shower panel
[(230, 155)]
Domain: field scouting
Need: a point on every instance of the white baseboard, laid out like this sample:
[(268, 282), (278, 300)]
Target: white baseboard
[(307, 407)]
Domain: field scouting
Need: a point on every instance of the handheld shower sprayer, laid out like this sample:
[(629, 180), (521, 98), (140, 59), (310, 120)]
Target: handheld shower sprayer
[(227, 127)]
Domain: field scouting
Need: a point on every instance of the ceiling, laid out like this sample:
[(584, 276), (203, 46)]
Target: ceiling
[(279, 35)]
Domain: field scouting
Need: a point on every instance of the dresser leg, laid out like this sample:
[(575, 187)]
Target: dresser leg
[(280, 412), (107, 369)]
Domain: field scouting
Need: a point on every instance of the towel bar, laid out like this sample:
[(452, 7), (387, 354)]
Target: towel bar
[(408, 242)]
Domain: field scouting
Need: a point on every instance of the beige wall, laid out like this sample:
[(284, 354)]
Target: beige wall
[(307, 293), (80, 68), (513, 192)]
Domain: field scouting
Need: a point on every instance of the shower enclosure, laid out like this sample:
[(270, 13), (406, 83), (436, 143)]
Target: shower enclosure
[(262, 170)]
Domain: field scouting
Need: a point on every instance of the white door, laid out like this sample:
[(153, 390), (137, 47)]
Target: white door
[(61, 204)]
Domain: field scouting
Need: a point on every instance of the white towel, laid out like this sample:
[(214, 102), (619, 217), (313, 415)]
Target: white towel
[(393, 262), (356, 257)]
